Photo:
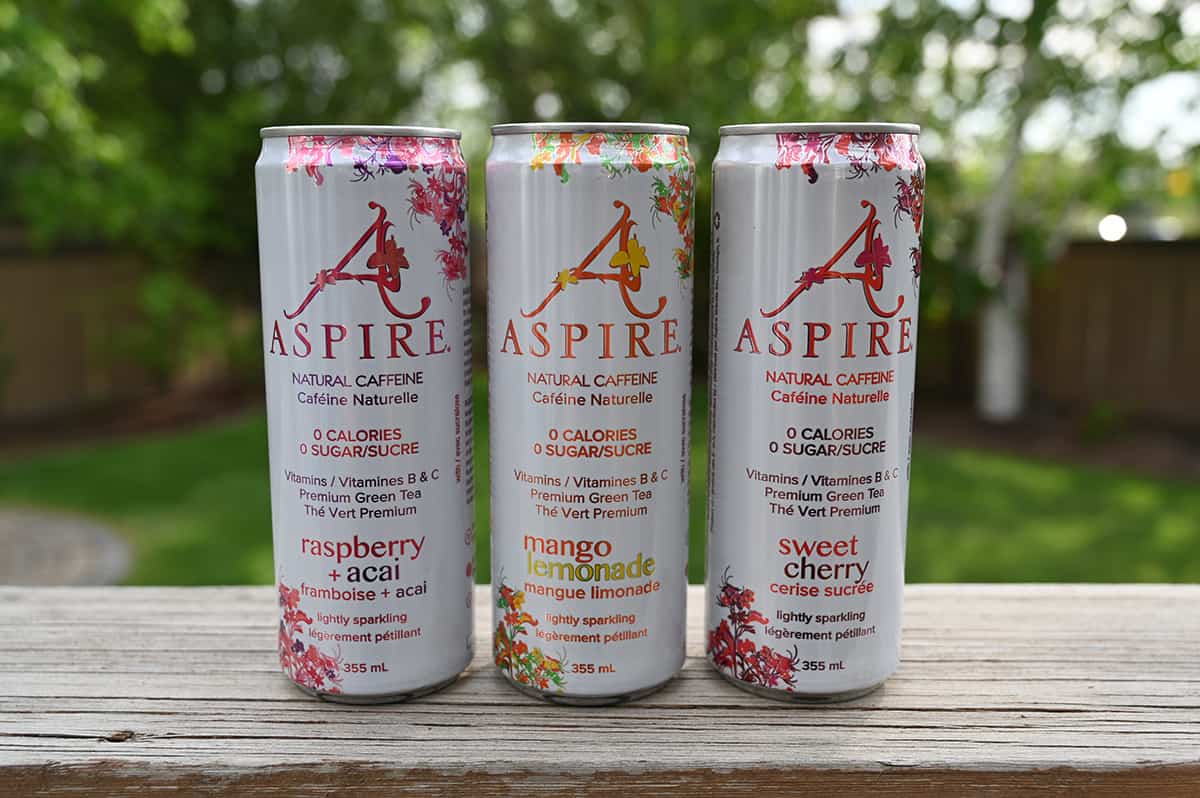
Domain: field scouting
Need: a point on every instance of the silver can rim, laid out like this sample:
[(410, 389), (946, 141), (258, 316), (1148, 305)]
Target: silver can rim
[(510, 128), (904, 128), (407, 131)]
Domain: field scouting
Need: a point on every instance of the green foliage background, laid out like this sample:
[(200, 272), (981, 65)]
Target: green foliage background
[(134, 122)]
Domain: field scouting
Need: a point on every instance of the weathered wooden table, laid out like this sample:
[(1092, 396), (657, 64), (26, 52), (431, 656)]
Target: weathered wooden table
[(1002, 689)]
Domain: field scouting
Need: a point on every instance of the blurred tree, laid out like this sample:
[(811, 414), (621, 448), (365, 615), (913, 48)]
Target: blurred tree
[(1019, 100), (135, 122), (66, 169), (1022, 100)]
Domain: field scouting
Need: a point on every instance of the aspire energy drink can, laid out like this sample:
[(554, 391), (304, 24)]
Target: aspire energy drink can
[(589, 353), (817, 264), (363, 251)]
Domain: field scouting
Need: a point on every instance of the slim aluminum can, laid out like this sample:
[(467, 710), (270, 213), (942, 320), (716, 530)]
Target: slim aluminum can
[(363, 251), (589, 354), (817, 264)]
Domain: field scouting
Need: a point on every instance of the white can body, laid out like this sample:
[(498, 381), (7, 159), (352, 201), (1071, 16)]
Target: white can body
[(363, 248), (589, 353), (816, 256)]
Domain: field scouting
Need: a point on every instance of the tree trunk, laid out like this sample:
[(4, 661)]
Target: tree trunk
[(1001, 383), (1004, 348)]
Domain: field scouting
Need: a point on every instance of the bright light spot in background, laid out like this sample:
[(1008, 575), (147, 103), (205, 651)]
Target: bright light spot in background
[(547, 105), (1189, 20), (1169, 228), (851, 7), (964, 8), (1049, 126), (1112, 227), (1013, 9), (829, 35), (455, 96), (1163, 113)]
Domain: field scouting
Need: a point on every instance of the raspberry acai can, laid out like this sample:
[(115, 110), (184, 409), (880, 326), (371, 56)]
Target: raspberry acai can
[(817, 264), (363, 252), (589, 354)]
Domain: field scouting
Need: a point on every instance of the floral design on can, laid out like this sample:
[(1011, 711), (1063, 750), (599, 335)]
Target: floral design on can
[(910, 199), (863, 153), (438, 193), (511, 653), (622, 153), (371, 156), (910, 202), (307, 665), (443, 199), (617, 153), (732, 650), (673, 198)]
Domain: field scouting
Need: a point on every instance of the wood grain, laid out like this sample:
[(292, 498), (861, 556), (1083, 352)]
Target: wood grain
[(1003, 689)]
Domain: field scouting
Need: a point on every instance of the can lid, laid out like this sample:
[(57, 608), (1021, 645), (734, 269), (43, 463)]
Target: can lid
[(820, 127), (360, 130), (589, 127)]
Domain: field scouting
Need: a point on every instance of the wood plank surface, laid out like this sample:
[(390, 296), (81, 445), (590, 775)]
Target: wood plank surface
[(1003, 689)]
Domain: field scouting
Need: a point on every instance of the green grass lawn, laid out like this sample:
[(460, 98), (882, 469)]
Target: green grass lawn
[(195, 506)]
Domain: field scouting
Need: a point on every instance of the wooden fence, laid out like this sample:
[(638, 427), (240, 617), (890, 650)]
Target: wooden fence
[(1120, 323), (59, 317)]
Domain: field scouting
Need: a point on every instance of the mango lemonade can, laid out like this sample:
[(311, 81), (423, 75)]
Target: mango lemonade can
[(363, 255), (817, 268), (589, 355)]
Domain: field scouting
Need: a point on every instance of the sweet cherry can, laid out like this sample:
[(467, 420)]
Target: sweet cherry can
[(363, 252), (589, 354), (817, 266)]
